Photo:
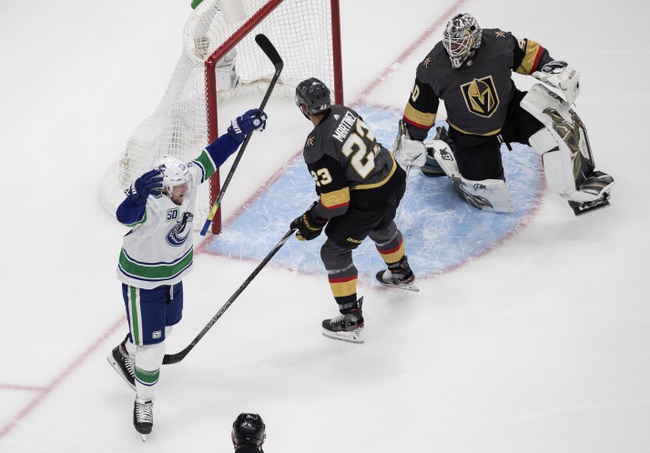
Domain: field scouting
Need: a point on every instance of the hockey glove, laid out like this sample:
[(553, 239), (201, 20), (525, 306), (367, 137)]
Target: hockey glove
[(247, 123), (308, 225), (558, 74), (145, 185), (410, 153)]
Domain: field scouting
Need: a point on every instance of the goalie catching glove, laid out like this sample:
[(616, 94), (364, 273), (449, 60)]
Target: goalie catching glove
[(309, 226), (558, 74), (247, 123)]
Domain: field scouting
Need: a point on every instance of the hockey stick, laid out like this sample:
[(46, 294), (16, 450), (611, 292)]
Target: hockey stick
[(175, 358), (273, 55)]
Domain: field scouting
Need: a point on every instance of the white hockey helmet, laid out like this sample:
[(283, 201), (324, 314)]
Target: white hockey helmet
[(462, 35), (174, 173)]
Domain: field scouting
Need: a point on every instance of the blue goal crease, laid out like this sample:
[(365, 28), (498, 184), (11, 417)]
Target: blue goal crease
[(440, 231)]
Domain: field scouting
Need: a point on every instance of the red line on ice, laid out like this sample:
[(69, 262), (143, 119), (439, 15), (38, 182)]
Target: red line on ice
[(44, 392)]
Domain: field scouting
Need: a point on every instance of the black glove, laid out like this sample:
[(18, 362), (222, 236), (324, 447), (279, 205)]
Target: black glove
[(308, 225), (247, 123), (145, 185)]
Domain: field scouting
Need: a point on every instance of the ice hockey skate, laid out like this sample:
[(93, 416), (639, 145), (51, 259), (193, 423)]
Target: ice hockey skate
[(598, 184), (398, 275), (346, 327), (122, 363), (143, 417)]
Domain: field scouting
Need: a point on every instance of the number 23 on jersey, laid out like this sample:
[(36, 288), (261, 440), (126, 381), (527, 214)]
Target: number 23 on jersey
[(360, 148)]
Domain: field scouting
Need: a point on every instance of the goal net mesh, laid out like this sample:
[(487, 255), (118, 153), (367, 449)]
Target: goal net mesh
[(181, 125)]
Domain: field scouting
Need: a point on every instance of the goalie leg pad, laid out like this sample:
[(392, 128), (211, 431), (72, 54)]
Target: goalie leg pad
[(565, 149), (487, 194), (444, 156)]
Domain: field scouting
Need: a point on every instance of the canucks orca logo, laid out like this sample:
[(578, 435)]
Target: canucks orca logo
[(181, 230), (481, 96)]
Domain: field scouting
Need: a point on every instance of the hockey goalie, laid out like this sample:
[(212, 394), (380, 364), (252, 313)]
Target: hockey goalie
[(470, 70)]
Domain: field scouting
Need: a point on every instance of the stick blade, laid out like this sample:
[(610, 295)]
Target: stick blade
[(269, 50), (171, 359)]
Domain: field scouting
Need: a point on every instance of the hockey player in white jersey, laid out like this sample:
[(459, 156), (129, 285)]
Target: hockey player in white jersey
[(157, 253)]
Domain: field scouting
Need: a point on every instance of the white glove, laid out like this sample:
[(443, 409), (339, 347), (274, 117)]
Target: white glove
[(410, 153), (558, 74)]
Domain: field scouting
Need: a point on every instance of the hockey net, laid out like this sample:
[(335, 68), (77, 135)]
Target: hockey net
[(306, 34)]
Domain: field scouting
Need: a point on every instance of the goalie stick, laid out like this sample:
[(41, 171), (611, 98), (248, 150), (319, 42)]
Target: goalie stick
[(170, 359), (273, 55)]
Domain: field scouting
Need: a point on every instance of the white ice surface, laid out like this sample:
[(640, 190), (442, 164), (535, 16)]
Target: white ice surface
[(542, 345)]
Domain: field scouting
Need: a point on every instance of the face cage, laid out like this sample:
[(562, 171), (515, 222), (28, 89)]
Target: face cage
[(458, 49)]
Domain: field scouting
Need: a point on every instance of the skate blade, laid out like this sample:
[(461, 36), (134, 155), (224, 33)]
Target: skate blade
[(349, 337), (144, 437), (406, 287), (579, 210), (117, 369)]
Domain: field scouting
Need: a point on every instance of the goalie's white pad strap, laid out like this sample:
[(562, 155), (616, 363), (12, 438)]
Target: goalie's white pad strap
[(487, 195), (409, 153), (566, 80)]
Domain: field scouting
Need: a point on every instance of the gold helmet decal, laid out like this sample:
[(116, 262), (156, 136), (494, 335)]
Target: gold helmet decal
[(480, 96)]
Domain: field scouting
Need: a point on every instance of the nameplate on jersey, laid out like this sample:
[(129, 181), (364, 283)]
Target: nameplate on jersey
[(343, 129)]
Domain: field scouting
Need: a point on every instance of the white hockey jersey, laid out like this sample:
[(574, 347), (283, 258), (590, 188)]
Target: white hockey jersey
[(159, 248)]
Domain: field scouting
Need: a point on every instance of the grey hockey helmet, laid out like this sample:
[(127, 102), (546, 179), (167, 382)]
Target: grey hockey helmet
[(174, 173), (462, 35), (248, 429), (314, 95)]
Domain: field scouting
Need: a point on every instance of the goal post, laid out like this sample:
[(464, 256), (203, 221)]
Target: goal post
[(220, 60)]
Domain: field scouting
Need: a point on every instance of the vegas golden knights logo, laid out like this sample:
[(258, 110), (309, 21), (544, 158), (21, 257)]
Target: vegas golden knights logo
[(481, 96)]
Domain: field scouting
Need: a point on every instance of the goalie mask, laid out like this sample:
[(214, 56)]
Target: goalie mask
[(462, 35), (314, 95), (248, 429), (174, 173)]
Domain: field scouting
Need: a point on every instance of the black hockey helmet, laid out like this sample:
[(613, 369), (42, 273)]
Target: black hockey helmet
[(248, 429), (314, 95)]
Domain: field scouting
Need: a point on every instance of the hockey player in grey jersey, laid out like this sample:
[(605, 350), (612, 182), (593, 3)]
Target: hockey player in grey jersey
[(359, 187), (157, 253), (470, 70)]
